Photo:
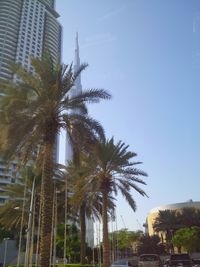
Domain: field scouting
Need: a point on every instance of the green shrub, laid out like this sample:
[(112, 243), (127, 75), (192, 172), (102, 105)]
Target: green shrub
[(62, 265)]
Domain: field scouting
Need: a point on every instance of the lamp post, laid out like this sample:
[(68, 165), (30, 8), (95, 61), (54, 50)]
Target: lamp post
[(55, 227), (5, 251), (65, 223), (28, 236)]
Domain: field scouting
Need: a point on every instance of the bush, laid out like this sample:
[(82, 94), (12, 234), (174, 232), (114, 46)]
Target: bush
[(61, 265)]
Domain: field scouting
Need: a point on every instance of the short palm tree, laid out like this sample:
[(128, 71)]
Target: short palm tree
[(85, 200), (32, 112), (114, 171), (167, 222), (189, 217), (19, 199)]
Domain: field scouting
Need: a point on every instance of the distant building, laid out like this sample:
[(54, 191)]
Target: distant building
[(177, 206)]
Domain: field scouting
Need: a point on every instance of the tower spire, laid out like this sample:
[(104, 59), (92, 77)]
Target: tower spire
[(78, 86), (76, 56), (77, 46)]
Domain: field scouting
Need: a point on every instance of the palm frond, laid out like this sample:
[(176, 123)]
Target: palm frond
[(91, 96), (80, 69), (128, 197)]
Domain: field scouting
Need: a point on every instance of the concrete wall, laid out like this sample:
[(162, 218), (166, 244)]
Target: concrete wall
[(11, 251)]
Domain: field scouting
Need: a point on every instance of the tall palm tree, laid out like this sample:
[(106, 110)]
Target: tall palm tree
[(32, 112), (114, 171)]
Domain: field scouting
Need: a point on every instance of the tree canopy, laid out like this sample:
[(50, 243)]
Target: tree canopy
[(188, 239), (33, 109)]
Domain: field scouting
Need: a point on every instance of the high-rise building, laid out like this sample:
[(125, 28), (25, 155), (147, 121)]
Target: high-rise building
[(27, 29), (77, 89)]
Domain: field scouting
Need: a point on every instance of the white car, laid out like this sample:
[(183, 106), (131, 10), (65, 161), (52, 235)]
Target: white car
[(149, 260)]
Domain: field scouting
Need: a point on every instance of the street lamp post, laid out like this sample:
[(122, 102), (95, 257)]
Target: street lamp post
[(28, 236)]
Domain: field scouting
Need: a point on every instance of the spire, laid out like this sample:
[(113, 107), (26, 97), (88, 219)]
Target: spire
[(77, 46), (78, 86), (76, 56)]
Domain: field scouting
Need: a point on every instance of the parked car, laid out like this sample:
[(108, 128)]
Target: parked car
[(149, 260), (180, 260), (121, 263)]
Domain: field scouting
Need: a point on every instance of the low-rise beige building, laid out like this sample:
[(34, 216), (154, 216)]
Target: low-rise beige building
[(177, 206)]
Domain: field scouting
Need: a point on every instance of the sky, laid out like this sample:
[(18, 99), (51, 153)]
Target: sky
[(146, 53)]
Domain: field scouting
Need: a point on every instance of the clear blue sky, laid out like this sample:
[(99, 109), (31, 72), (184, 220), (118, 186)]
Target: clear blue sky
[(146, 53)]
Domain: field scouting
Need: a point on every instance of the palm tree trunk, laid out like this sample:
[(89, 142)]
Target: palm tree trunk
[(83, 232), (47, 202), (106, 252)]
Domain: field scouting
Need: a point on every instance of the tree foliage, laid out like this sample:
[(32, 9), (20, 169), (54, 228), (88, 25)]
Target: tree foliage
[(124, 239), (19, 198), (5, 233), (33, 109), (114, 172), (73, 242), (150, 244), (172, 220), (187, 238)]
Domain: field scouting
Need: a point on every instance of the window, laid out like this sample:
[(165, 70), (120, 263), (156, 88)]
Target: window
[(2, 200)]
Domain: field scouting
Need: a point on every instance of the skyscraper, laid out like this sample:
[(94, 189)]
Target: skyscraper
[(27, 28), (77, 89)]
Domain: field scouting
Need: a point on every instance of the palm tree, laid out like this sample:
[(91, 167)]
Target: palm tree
[(19, 199), (114, 171), (189, 217), (32, 112), (167, 222), (85, 200)]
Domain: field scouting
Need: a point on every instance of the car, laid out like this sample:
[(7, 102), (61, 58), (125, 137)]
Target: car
[(180, 260), (121, 263), (149, 260)]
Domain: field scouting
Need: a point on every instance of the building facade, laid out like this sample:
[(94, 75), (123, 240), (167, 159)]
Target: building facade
[(177, 207), (27, 29)]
